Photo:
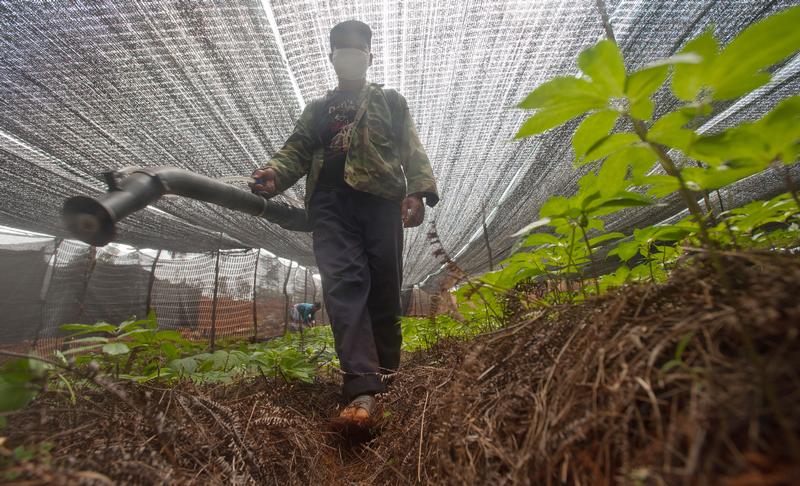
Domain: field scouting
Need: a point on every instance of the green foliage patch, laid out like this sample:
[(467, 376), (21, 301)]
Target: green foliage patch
[(645, 160)]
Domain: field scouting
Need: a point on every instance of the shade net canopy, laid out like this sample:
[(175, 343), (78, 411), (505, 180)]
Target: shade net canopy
[(215, 87)]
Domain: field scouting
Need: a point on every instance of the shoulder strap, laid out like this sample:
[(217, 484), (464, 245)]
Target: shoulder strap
[(392, 99), (361, 109)]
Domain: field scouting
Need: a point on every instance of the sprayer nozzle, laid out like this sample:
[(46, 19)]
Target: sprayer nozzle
[(88, 220)]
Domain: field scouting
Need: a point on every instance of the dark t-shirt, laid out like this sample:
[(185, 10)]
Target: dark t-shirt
[(335, 126)]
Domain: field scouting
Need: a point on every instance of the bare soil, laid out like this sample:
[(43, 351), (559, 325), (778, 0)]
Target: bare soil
[(582, 394)]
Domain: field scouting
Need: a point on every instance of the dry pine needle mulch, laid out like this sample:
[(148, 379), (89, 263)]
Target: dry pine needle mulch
[(585, 394)]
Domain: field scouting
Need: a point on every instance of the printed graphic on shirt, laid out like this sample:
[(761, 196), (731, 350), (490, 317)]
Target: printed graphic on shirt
[(341, 114), (335, 130)]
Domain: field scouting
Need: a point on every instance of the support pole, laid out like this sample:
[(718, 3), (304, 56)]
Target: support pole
[(486, 241), (150, 283), (305, 300), (214, 303), (305, 286), (255, 287), (87, 277), (48, 277), (314, 290), (286, 299)]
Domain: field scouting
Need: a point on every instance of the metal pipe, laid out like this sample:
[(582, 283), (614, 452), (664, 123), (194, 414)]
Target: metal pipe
[(94, 221)]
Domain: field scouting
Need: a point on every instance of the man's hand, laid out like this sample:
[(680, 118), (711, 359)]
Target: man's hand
[(264, 183), (413, 211)]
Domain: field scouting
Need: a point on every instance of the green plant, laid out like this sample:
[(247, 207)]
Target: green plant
[(20, 381), (421, 333), (138, 344), (290, 357), (630, 159)]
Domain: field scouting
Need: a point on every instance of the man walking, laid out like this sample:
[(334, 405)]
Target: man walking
[(367, 176)]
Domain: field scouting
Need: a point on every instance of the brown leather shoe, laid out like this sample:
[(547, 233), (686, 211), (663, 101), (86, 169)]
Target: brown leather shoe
[(361, 410)]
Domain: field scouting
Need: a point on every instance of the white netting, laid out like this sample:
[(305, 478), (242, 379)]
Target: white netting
[(216, 86)]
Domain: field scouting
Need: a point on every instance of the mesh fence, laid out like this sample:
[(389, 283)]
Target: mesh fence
[(226, 294)]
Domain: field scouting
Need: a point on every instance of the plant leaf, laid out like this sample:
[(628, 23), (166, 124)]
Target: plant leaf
[(184, 366), (681, 58), (81, 349), (737, 69), (536, 224), (625, 250), (620, 201), (81, 329), (611, 176), (660, 185), (554, 207), (558, 101), (689, 79), (14, 396), (114, 349), (560, 90), (538, 239), (606, 237), (608, 145), (592, 129), (604, 64), (669, 130), (682, 345), (640, 86), (92, 339)]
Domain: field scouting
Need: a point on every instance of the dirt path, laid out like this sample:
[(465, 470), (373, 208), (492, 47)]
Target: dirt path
[(592, 394)]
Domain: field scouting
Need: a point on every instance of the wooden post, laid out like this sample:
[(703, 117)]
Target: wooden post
[(214, 303), (88, 276), (305, 301), (150, 283), (48, 277), (305, 286), (286, 299), (486, 240), (255, 287), (314, 291)]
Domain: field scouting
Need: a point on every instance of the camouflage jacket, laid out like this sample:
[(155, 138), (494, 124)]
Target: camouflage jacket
[(385, 156)]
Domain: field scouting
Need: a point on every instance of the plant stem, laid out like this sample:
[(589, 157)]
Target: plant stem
[(691, 202), (569, 262), (787, 178), (707, 201), (671, 169), (591, 258)]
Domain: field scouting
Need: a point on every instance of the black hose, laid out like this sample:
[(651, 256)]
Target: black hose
[(94, 220)]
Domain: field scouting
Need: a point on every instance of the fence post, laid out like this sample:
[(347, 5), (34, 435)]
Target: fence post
[(48, 277), (88, 276), (150, 283), (286, 299), (486, 241), (305, 286), (314, 289), (214, 303), (255, 287)]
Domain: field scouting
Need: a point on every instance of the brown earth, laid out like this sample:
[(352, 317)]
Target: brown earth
[(584, 394)]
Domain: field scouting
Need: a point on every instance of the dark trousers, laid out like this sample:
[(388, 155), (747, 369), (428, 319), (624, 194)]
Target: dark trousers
[(358, 245)]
